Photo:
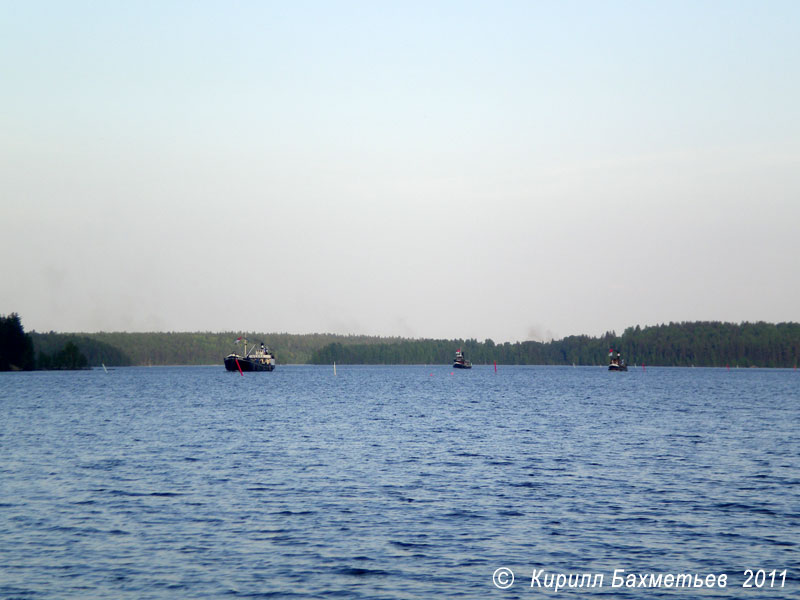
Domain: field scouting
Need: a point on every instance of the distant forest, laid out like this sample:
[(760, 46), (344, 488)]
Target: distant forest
[(199, 348), (702, 344)]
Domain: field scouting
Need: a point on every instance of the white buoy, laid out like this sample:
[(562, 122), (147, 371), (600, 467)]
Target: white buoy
[(334, 368)]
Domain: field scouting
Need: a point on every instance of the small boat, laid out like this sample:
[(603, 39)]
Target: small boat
[(616, 362), (256, 359), (459, 362)]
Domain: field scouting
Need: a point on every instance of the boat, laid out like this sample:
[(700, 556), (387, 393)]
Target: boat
[(258, 358), (459, 362), (616, 362)]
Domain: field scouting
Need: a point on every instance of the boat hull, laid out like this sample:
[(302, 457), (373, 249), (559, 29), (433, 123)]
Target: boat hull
[(617, 368), (462, 366), (247, 364)]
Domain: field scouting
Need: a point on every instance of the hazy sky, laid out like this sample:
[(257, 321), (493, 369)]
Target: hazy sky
[(513, 170)]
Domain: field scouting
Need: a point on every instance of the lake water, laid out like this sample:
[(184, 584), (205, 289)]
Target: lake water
[(396, 482)]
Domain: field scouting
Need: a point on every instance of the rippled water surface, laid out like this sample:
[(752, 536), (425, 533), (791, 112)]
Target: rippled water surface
[(394, 482)]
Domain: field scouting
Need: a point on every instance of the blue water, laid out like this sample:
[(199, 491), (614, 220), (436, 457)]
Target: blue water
[(394, 482)]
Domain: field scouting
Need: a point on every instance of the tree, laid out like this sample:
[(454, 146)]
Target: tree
[(16, 347), (70, 358)]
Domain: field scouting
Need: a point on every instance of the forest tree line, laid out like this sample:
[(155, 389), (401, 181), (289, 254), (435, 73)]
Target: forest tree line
[(198, 348), (701, 344)]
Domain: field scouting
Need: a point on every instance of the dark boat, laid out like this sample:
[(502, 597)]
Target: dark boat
[(616, 362), (460, 362), (257, 359)]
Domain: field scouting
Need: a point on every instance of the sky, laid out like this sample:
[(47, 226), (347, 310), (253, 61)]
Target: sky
[(426, 169)]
